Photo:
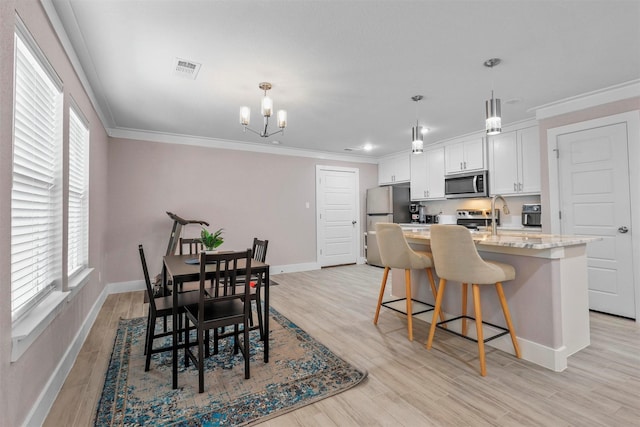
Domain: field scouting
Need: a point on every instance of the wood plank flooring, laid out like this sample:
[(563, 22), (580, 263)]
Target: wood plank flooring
[(407, 385)]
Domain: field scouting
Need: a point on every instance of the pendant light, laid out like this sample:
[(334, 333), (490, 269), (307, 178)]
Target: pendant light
[(417, 138), (493, 124)]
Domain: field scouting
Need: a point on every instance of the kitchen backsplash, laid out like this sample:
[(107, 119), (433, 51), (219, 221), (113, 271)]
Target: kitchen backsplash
[(449, 207)]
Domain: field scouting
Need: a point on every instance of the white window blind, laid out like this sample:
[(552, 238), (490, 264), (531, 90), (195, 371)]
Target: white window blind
[(35, 195), (78, 223)]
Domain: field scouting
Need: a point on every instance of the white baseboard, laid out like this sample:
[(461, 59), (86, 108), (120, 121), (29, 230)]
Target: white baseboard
[(554, 359), (42, 406), (294, 268)]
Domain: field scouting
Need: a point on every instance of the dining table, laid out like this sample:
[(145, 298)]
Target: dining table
[(179, 269)]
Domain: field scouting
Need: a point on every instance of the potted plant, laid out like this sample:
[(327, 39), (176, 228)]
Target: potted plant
[(211, 240)]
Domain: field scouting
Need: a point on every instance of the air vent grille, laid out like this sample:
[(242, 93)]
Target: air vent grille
[(185, 68)]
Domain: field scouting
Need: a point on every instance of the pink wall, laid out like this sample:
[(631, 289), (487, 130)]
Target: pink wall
[(22, 382), (248, 194)]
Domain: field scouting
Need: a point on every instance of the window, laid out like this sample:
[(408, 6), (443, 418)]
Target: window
[(36, 187), (78, 223)]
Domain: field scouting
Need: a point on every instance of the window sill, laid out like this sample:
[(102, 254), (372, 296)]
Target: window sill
[(27, 329)]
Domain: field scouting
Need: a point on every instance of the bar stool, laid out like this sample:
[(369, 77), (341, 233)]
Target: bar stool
[(456, 258), (395, 252)]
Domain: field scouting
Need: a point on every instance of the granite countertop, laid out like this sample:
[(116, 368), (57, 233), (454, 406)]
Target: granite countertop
[(515, 239)]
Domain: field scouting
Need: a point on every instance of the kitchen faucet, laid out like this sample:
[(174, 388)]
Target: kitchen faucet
[(505, 209)]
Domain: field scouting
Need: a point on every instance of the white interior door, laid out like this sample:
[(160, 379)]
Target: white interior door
[(593, 173), (337, 216)]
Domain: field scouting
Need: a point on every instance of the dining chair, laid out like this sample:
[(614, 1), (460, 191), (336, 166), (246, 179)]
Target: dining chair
[(189, 246), (456, 259), (259, 251), (229, 308), (160, 307), (396, 253)]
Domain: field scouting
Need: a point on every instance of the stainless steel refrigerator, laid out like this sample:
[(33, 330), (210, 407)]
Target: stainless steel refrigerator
[(384, 204)]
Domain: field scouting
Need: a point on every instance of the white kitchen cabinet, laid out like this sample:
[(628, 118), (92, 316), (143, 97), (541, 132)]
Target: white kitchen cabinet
[(465, 156), (514, 162), (427, 175), (394, 169)]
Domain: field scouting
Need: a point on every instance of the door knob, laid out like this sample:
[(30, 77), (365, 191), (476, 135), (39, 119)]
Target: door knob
[(623, 229)]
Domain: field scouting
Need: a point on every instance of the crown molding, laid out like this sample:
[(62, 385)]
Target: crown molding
[(279, 150), (606, 95)]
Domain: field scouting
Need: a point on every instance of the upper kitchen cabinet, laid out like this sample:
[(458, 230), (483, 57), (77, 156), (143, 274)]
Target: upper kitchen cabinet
[(514, 162), (394, 169), (464, 156), (427, 175)]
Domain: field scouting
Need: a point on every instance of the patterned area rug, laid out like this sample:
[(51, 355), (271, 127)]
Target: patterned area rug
[(300, 371)]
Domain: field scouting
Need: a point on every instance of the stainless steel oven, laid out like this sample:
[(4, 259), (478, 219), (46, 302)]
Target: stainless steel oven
[(466, 185)]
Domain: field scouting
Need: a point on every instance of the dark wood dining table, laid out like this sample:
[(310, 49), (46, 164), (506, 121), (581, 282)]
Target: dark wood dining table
[(180, 269)]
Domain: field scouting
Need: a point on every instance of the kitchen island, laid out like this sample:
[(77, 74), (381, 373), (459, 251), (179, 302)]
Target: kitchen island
[(548, 300)]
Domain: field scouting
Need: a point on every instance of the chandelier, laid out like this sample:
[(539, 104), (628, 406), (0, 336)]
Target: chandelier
[(267, 110)]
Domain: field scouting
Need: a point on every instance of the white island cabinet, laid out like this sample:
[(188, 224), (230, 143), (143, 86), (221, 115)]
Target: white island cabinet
[(548, 299), (427, 175), (514, 162)]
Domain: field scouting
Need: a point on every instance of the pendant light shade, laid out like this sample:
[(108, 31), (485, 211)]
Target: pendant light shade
[(417, 137), (494, 120), (493, 124)]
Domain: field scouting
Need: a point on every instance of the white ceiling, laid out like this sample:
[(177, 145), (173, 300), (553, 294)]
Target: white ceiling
[(345, 71)]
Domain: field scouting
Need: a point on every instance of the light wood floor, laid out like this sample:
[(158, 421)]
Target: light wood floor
[(407, 385)]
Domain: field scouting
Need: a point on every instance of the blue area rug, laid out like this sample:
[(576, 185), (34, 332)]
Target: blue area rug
[(300, 371)]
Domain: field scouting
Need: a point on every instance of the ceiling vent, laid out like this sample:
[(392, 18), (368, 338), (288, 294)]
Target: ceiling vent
[(186, 69)]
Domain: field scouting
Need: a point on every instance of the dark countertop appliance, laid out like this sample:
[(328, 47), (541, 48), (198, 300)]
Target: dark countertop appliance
[(473, 219), (531, 215)]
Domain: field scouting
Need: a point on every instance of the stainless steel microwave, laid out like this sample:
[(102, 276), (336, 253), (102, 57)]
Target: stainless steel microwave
[(473, 184)]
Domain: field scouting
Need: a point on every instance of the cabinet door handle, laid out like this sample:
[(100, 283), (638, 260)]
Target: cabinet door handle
[(465, 165), (515, 188), (461, 166), (519, 186)]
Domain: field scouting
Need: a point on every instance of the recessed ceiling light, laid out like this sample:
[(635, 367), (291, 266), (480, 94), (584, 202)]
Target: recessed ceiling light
[(425, 130), (367, 147), (275, 142)]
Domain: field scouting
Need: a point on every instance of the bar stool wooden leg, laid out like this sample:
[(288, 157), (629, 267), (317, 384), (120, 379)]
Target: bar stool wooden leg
[(507, 318), (382, 286), (437, 308), (434, 291), (464, 309), (407, 281), (478, 310)]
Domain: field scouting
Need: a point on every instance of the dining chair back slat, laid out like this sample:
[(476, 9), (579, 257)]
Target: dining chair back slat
[(194, 246)]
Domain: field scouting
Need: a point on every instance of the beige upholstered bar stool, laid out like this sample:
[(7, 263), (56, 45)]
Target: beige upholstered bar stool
[(396, 253), (456, 259)]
